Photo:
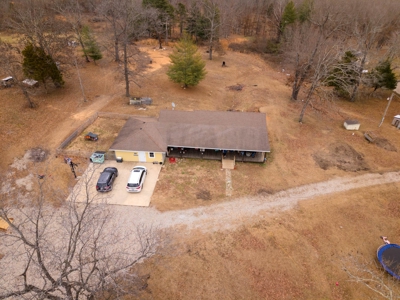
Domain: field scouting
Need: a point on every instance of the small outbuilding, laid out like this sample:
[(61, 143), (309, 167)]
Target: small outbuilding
[(7, 82), (351, 124), (396, 121), (30, 83)]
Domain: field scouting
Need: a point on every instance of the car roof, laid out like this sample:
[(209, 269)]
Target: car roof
[(104, 176), (135, 175)]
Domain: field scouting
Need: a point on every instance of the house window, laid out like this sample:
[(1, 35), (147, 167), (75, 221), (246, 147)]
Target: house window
[(135, 154), (151, 154)]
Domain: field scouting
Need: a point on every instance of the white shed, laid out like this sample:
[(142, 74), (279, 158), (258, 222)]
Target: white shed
[(351, 124), (30, 82), (7, 82), (396, 121)]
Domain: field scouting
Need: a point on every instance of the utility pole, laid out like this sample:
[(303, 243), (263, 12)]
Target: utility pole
[(387, 107)]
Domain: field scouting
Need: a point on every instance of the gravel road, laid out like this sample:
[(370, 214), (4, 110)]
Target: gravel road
[(229, 215)]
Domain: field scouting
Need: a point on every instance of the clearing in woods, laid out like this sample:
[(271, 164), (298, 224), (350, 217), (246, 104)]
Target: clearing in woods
[(269, 253)]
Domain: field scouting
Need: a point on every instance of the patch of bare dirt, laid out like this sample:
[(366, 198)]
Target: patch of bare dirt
[(343, 157), (38, 154), (236, 87), (384, 144), (203, 195)]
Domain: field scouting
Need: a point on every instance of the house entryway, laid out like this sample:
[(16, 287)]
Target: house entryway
[(228, 163), (142, 156)]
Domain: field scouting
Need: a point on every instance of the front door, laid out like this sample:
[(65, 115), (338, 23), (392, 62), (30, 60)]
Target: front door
[(142, 156)]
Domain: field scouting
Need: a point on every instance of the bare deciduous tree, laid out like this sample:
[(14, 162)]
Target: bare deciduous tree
[(372, 276), (276, 13), (76, 251), (38, 24), (126, 20), (72, 11), (212, 15), (307, 39), (324, 59), (370, 31), (11, 62)]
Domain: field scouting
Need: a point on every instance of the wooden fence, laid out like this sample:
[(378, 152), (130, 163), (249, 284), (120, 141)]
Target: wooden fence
[(110, 155)]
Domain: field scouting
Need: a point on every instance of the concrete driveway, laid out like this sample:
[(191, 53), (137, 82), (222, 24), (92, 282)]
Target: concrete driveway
[(118, 195)]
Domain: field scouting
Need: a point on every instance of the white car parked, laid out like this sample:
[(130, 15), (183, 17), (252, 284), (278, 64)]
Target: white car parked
[(136, 179)]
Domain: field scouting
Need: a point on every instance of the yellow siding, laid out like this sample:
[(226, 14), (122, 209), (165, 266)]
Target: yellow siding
[(134, 156)]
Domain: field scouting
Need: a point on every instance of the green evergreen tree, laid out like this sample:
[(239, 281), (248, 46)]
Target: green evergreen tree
[(91, 48), (187, 68), (162, 5), (197, 24), (383, 76), (181, 14), (32, 66), (304, 10), (40, 66), (289, 16)]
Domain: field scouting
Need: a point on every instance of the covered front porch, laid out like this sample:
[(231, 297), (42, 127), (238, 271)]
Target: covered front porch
[(240, 156)]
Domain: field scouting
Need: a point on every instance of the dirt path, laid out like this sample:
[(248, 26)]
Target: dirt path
[(229, 215), (65, 127)]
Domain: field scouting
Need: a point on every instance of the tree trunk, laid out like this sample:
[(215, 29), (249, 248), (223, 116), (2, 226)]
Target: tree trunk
[(159, 41), (358, 82), (308, 100), (83, 49), (27, 97), (116, 49), (126, 70), (166, 31), (210, 43), (80, 80), (295, 91), (116, 40), (301, 73), (296, 85), (279, 35)]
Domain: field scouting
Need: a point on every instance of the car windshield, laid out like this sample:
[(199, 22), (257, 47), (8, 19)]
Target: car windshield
[(133, 184)]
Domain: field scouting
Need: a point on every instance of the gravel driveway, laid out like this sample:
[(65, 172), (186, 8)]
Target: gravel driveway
[(231, 214), (119, 195)]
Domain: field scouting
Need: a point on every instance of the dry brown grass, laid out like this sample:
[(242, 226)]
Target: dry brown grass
[(106, 129), (295, 255)]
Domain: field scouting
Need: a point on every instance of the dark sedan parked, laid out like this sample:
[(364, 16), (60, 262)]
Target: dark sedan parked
[(106, 179)]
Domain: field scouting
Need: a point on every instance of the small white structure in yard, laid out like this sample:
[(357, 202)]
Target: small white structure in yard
[(396, 121), (351, 124), (30, 82), (7, 82), (140, 101)]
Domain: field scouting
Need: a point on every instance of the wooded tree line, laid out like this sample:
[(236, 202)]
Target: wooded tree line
[(342, 44)]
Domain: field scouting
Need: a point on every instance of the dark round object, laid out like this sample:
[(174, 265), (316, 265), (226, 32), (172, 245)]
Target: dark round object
[(389, 258)]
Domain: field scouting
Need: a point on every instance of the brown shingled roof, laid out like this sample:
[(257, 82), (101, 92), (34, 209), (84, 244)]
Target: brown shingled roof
[(140, 135), (245, 131)]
